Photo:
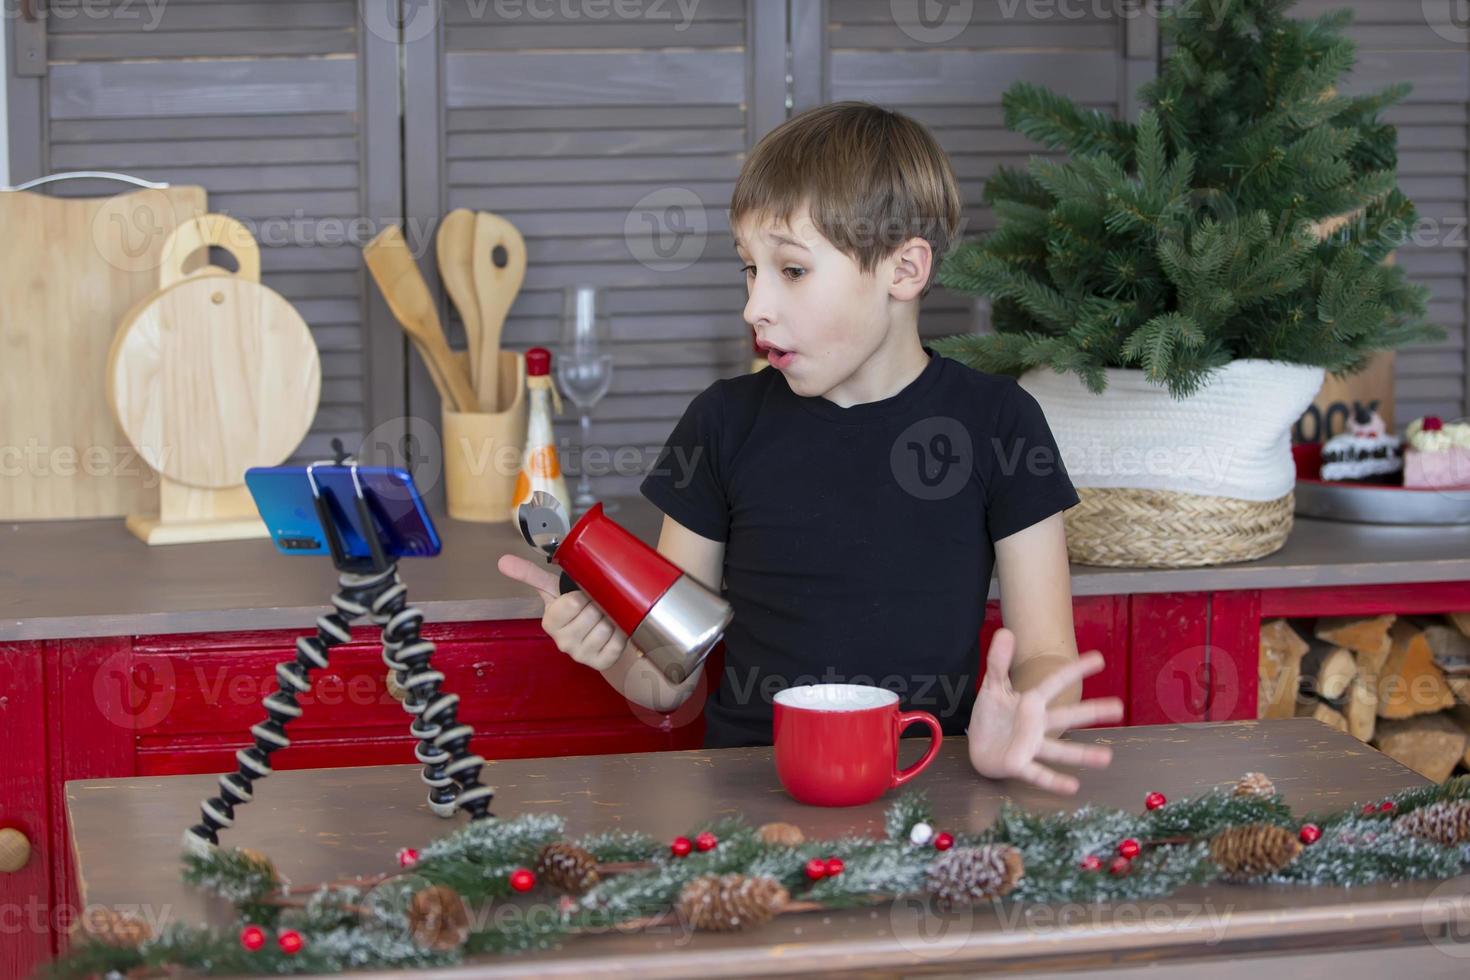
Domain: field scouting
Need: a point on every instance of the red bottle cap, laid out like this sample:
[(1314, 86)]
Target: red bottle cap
[(538, 361)]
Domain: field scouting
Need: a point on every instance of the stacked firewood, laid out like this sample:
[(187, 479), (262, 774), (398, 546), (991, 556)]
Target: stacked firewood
[(1401, 684)]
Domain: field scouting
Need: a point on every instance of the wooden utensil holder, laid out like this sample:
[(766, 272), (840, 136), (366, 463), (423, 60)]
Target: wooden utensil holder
[(482, 450)]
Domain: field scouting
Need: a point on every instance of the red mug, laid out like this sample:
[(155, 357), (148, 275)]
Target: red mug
[(837, 744)]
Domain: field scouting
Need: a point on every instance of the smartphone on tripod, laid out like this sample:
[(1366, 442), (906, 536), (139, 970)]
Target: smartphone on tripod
[(286, 497)]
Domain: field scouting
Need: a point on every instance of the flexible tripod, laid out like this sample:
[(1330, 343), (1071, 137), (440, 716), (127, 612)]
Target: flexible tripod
[(367, 586)]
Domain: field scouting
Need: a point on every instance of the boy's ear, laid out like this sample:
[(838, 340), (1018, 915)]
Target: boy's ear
[(911, 263)]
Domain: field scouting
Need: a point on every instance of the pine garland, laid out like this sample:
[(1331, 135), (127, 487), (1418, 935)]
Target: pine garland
[(457, 900), (1187, 239)]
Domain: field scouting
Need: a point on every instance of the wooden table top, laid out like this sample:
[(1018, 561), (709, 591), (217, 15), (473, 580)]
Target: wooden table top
[(93, 578), (319, 825)]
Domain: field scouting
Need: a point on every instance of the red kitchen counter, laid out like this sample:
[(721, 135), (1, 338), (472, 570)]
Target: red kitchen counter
[(117, 659)]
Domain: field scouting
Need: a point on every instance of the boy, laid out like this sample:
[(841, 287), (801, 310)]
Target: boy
[(853, 496)]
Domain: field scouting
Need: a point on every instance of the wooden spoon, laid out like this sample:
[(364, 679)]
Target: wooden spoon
[(500, 267), (403, 286), (454, 246)]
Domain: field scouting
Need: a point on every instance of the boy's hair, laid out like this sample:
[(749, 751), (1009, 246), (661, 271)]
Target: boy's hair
[(871, 178)]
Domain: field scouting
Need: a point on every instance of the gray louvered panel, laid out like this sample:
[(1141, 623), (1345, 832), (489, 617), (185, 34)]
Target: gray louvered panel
[(519, 119), (459, 14), (565, 145), (681, 331), (979, 36), (595, 36), (625, 141), (232, 127), (260, 103), (946, 76), (305, 179), (611, 169), (186, 17), (877, 51), (234, 44), (140, 89), (980, 12), (534, 197), (1396, 43), (475, 79), (193, 151)]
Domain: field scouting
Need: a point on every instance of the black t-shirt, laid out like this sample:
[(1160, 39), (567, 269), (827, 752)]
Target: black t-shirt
[(859, 540)]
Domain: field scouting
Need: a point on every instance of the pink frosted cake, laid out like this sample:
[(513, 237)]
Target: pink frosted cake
[(1437, 456)]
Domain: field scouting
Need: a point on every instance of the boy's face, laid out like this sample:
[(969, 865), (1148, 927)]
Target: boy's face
[(812, 301)]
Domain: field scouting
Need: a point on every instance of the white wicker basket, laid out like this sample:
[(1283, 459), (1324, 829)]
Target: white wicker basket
[(1169, 482), (1232, 438)]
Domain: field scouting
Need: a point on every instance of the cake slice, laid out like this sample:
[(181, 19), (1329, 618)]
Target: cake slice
[(1437, 456), (1366, 453)]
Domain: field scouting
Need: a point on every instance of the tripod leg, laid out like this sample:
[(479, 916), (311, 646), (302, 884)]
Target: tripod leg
[(293, 678), (451, 772)]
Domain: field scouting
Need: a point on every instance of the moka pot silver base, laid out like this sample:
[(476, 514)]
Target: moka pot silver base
[(681, 628)]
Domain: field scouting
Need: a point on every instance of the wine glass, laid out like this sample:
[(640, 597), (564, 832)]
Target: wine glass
[(584, 370)]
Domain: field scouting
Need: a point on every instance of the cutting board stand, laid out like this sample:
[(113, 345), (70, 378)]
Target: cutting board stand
[(193, 514), (212, 508)]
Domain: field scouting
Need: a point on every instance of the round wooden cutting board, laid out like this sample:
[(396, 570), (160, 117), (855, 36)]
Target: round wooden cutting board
[(212, 375)]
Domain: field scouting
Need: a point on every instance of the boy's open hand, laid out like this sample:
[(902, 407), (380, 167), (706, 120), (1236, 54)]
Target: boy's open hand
[(1011, 733)]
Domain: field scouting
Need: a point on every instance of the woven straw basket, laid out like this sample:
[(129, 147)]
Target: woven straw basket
[(1171, 483)]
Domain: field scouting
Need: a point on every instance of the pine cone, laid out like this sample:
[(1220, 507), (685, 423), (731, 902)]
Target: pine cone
[(568, 867), (260, 861), (114, 928), (437, 918), (971, 874), (730, 902), (1254, 784), (785, 834), (1446, 822), (1253, 849)]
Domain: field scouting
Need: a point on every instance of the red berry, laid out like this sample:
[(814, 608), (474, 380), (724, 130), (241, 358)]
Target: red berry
[(834, 866), (1129, 848), (1154, 800), (943, 841), (1091, 863), (523, 879), (706, 841), (1369, 808), (681, 847), (816, 869), (1120, 866), (1310, 833), (1432, 423), (252, 938), (290, 942), (1386, 805), (407, 857)]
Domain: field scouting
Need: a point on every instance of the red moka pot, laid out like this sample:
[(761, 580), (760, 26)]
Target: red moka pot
[(670, 616)]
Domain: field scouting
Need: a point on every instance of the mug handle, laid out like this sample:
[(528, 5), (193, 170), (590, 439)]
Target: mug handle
[(903, 720)]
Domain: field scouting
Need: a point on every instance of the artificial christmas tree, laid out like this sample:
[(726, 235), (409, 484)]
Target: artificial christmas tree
[(1219, 254)]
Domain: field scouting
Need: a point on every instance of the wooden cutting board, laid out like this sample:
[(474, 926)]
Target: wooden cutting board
[(213, 375), (70, 268)]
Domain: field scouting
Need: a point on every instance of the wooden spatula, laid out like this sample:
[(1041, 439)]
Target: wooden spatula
[(500, 267), (454, 245), (403, 286)]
